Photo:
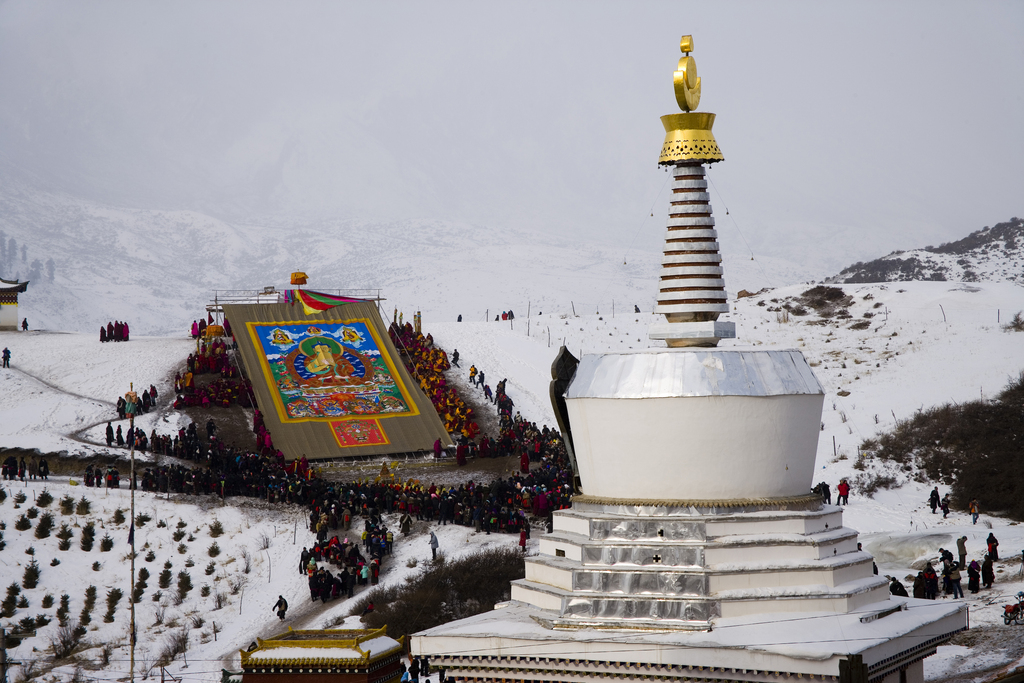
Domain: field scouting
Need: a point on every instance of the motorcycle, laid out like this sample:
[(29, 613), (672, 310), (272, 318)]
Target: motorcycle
[(1014, 613)]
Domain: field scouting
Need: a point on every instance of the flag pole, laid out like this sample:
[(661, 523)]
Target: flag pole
[(132, 405)]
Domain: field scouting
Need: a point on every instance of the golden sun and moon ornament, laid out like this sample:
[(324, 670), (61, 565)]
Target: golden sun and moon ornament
[(688, 136)]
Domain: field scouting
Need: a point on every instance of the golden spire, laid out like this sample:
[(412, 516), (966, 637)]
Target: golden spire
[(687, 81), (688, 135)]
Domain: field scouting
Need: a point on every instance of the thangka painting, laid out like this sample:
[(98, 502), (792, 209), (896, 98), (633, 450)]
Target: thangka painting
[(359, 433), (329, 370)]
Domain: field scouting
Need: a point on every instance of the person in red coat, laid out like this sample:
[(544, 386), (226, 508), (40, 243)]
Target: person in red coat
[(524, 462), (844, 493)]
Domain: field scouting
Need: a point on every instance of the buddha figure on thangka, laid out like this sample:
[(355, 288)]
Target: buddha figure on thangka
[(328, 370)]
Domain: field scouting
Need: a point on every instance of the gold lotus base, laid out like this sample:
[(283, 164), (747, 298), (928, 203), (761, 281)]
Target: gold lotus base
[(688, 137)]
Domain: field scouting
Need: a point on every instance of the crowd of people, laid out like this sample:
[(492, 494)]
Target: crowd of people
[(198, 328), (146, 401), (979, 574), (13, 468), (427, 365), (114, 331)]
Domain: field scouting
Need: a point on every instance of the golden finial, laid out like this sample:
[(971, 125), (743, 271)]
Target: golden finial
[(686, 80)]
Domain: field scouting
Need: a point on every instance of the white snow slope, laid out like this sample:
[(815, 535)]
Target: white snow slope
[(928, 342)]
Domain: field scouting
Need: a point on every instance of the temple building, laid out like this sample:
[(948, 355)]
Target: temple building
[(9, 290), (329, 656), (694, 550)]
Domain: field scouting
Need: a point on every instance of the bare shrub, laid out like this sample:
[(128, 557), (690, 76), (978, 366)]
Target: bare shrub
[(64, 641), (197, 620), (263, 541), (246, 561), (219, 600), (176, 644)]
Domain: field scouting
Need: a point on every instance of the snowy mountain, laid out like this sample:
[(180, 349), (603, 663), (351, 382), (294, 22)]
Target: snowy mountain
[(158, 268), (992, 254)]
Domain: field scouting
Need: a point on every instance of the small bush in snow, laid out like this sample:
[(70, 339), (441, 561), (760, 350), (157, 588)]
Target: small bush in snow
[(205, 590), (189, 562), (214, 550), (106, 544), (31, 577), (67, 505), (164, 580), (44, 499), (119, 517), (150, 556), (83, 507), (88, 605), (41, 620), (211, 568), (32, 512), (54, 562), (1016, 323), (88, 537), (114, 596), (3, 543), (44, 526), (47, 601), (141, 519), (64, 610), (178, 535), (182, 548), (96, 566), (216, 529), (64, 641), (30, 550), (161, 524), (23, 524), (184, 583), (23, 602), (20, 497)]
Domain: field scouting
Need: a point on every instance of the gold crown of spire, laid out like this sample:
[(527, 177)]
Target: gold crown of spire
[(688, 136)]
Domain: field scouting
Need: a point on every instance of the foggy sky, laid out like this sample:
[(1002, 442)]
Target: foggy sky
[(848, 129)]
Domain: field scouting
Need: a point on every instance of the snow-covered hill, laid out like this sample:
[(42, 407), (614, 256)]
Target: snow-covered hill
[(992, 254), (158, 268)]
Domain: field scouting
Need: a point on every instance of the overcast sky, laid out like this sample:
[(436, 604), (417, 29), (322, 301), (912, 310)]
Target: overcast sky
[(849, 129)]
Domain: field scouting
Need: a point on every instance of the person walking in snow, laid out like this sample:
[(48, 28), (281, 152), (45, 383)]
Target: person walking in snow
[(961, 549), (972, 507), (455, 358), (933, 499), (433, 546), (281, 606), (945, 506), (7, 357)]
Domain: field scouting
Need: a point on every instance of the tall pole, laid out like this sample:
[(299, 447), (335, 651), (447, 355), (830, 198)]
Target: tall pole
[(131, 534)]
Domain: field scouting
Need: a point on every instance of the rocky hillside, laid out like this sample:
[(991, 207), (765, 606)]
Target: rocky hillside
[(992, 254)]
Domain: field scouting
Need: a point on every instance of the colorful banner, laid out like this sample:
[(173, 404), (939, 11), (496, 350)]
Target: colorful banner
[(326, 370), (359, 433), (315, 302)]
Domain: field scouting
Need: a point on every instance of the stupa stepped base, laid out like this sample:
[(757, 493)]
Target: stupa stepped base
[(676, 567)]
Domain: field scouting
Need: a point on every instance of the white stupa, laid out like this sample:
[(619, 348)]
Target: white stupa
[(695, 550)]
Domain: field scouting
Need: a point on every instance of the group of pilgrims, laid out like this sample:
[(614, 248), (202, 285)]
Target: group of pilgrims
[(353, 540), (114, 331), (427, 364)]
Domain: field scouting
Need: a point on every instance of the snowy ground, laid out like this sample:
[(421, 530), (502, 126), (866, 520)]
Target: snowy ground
[(61, 387)]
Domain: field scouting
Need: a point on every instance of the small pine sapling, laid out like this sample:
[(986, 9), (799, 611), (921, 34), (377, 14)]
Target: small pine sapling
[(83, 507), (67, 505), (106, 544), (44, 499), (119, 517), (88, 537), (32, 512), (31, 577), (47, 601)]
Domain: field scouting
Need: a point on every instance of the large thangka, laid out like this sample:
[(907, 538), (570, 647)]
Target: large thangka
[(328, 370), (330, 383)]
